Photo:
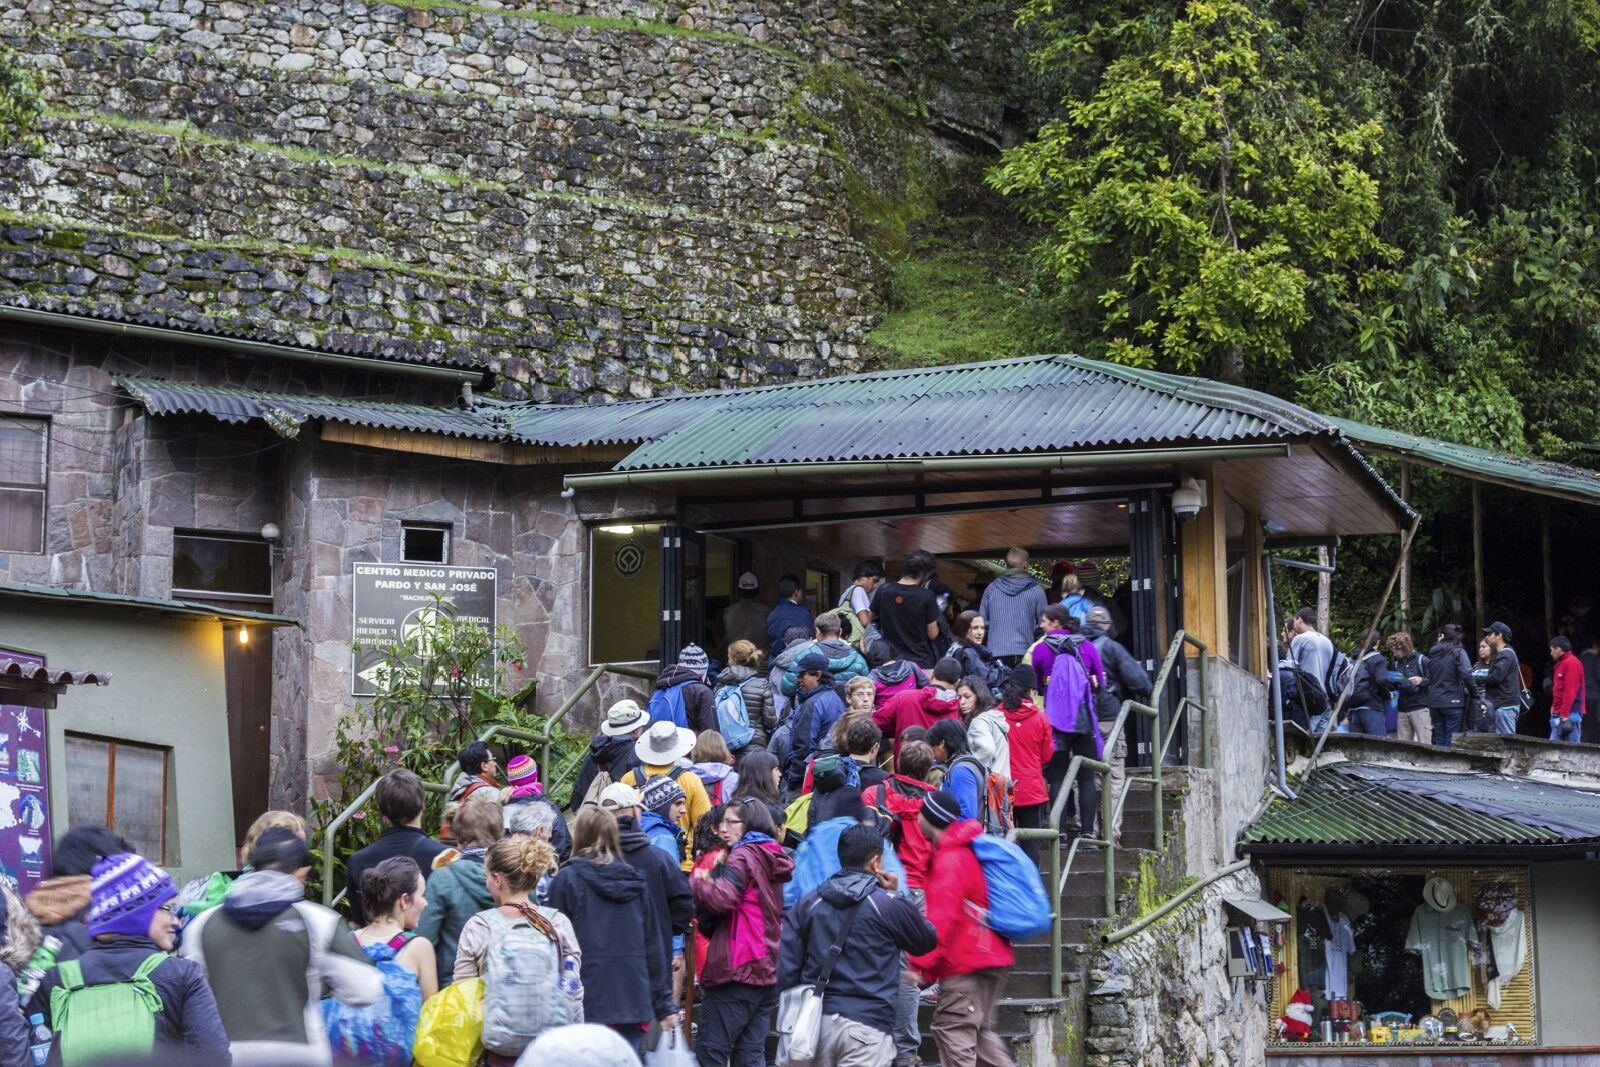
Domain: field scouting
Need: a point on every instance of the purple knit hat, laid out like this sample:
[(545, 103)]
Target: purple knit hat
[(124, 892)]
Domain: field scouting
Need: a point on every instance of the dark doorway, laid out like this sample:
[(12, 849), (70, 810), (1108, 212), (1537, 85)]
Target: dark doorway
[(247, 674)]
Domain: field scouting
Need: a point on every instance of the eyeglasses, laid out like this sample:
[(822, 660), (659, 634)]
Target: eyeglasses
[(729, 820), (170, 909)]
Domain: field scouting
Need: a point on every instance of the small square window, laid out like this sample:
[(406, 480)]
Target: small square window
[(24, 452), (122, 786), (424, 544)]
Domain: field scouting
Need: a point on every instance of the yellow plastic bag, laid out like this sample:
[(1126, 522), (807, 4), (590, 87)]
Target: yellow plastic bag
[(798, 815), (450, 1030)]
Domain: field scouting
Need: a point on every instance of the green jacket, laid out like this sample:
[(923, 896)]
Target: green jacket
[(455, 894)]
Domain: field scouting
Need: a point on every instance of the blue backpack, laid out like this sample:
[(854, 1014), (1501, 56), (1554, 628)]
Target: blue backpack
[(382, 1032), (667, 704), (733, 717), (1019, 910)]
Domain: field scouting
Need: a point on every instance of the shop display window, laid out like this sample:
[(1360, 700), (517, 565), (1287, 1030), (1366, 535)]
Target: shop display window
[(1403, 956)]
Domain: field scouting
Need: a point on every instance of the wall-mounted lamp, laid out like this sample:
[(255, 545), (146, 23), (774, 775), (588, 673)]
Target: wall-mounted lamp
[(244, 635), (616, 529)]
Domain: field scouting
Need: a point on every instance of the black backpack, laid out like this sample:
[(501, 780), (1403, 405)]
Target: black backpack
[(1303, 698)]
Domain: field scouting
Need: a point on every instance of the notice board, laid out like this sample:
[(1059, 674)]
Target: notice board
[(24, 789), (392, 601)]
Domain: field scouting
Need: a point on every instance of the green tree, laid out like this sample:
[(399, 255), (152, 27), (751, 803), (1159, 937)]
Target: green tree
[(20, 103)]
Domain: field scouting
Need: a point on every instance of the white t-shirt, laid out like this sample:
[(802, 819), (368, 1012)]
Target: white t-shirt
[(1312, 653), (860, 599)]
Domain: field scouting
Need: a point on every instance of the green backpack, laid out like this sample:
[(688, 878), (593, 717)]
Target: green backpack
[(116, 1019)]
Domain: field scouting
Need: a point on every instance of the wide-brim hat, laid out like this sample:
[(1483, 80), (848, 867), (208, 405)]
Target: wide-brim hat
[(1439, 894), (663, 744), (623, 718)]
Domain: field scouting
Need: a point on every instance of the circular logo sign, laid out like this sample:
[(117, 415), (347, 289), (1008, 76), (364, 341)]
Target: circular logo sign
[(629, 559)]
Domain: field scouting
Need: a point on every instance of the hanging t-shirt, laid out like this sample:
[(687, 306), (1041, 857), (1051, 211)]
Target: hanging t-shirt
[(1337, 949), (1509, 944), (1311, 934), (1442, 938), (903, 613)]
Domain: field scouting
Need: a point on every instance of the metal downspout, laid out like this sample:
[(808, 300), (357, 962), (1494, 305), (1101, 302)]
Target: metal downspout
[(1277, 683)]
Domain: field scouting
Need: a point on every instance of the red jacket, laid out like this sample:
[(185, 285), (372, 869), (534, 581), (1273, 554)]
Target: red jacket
[(747, 892), (914, 707), (965, 945), (1567, 694), (1032, 745), (904, 801)]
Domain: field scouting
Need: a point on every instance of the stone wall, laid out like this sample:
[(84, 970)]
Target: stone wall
[(618, 197), (1162, 997)]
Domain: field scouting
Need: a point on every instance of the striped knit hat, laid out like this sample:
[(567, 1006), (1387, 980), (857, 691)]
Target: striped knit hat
[(125, 891), (522, 770), (941, 809), (694, 658)]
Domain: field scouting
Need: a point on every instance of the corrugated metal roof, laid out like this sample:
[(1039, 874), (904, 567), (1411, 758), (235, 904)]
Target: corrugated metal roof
[(1533, 475), (61, 594), (242, 405), (1351, 804), (15, 670)]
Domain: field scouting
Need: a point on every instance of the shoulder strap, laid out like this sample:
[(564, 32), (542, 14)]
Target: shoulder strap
[(150, 963), (71, 975), (539, 922), (837, 947)]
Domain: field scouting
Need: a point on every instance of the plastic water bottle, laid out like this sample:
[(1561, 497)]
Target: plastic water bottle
[(42, 1040), (570, 983)]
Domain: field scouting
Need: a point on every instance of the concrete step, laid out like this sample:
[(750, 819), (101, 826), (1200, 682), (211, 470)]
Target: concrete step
[(1093, 861), (1011, 1021)]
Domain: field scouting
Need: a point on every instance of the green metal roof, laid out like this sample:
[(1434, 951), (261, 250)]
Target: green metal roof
[(1500, 468), (1350, 805), (60, 595)]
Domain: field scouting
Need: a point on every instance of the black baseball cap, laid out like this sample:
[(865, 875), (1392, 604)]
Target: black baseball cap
[(1498, 628)]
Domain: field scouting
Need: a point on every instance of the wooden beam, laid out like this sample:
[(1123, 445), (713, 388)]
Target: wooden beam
[(1549, 571), (1477, 555), (433, 444), (1204, 545), (1405, 561), (1324, 588)]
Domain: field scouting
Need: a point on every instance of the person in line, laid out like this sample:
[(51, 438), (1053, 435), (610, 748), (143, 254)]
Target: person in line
[(456, 891), (681, 694), (790, 611), (963, 777), (818, 708), (1010, 606), (860, 697), (512, 870), (668, 889), (477, 770), (864, 582), (922, 707), (392, 897), (1126, 679), (739, 981), (907, 614), (1369, 692), (900, 799), (579, 1043), (796, 642), (714, 764), (60, 902), (132, 927), (1309, 649), (662, 807), (1449, 684), (856, 909), (1503, 682), (890, 674), (969, 960), (1567, 705), (745, 670), (836, 809), (761, 777), (660, 751), (524, 790), (19, 940), (1073, 597), (1071, 715), (709, 846), (968, 648), (1410, 673), (268, 953), (400, 800), (843, 661), (746, 618), (862, 743), (987, 727), (626, 972), (612, 751), (1032, 744)]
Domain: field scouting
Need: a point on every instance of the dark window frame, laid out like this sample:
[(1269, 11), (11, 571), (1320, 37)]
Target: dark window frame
[(444, 530), (41, 487), (253, 540)]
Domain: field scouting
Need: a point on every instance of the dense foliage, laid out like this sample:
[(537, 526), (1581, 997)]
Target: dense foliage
[(1385, 208)]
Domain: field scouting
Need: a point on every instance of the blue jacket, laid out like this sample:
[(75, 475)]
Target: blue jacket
[(664, 834), (844, 663), (813, 718), (817, 859), (963, 783), (785, 615)]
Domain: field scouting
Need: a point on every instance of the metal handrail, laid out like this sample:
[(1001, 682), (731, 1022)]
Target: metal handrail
[(542, 738), (1111, 806)]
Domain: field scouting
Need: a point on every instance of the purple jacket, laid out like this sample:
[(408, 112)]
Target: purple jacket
[(746, 892), (1043, 658)]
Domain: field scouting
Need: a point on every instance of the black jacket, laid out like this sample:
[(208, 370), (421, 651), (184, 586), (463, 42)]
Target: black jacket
[(394, 841), (699, 706), (188, 1021), (614, 755), (1449, 676), (1503, 687), (1125, 677), (1412, 697), (1371, 689), (669, 889), (866, 979), (627, 975)]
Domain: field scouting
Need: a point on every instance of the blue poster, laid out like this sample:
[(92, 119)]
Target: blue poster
[(24, 790)]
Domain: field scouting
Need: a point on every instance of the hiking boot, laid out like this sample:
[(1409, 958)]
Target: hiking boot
[(908, 1059)]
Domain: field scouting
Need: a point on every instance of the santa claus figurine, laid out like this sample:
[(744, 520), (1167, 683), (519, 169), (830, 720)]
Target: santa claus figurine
[(1295, 1025)]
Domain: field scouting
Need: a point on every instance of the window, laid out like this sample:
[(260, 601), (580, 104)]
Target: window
[(120, 785), (220, 565), (624, 593), (819, 590), (24, 452), (421, 543)]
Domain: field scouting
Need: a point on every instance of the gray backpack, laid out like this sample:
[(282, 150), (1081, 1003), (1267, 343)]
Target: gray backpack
[(522, 996)]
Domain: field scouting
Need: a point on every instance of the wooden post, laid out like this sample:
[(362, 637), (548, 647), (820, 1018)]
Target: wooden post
[(1549, 573), (1324, 588), (1405, 561), (1478, 605)]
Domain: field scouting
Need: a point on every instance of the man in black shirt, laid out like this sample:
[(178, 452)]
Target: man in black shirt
[(907, 614), (400, 801)]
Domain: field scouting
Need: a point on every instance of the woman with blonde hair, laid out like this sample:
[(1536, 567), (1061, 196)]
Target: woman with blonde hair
[(626, 971), (745, 670), (714, 764), (512, 869), (1410, 675)]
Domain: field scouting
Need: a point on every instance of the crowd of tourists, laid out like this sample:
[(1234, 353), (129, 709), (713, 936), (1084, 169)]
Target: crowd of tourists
[(1390, 687), (820, 813)]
